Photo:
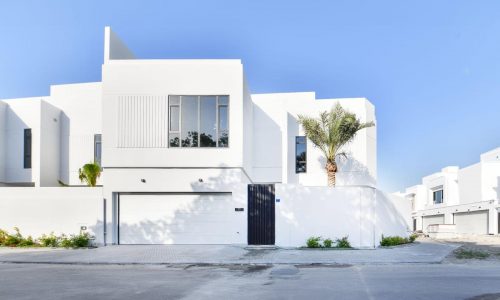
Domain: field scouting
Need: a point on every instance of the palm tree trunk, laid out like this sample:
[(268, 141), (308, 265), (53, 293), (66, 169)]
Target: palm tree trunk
[(331, 169)]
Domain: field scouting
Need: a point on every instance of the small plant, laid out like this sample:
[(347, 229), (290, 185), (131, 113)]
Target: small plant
[(396, 240), (327, 243), (470, 254), (413, 237), (313, 242), (49, 240), (89, 173), (27, 242), (343, 242), (81, 240)]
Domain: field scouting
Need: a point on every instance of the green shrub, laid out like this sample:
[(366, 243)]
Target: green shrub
[(81, 240), (343, 242), (313, 242), (396, 240), (27, 242), (413, 237), (327, 243), (49, 240), (3, 236), (65, 241)]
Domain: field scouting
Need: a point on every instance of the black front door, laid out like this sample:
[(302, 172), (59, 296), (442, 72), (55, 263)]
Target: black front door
[(261, 214)]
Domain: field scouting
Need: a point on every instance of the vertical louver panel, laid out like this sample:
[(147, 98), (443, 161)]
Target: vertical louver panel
[(261, 214), (142, 121)]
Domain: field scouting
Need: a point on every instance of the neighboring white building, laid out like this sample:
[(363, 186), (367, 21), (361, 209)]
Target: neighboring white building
[(465, 201), (185, 145)]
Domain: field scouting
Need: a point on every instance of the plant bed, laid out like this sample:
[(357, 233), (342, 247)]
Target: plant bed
[(317, 242), (17, 240), (392, 241)]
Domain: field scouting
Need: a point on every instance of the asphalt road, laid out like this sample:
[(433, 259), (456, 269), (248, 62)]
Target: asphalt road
[(395, 281)]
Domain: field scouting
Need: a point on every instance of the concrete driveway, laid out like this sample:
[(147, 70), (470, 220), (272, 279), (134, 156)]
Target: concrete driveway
[(425, 251)]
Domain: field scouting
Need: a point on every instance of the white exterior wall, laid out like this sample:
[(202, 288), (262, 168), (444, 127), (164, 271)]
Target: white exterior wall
[(3, 141), (22, 114), (276, 126), (361, 213), (80, 119), (37, 211), (49, 144)]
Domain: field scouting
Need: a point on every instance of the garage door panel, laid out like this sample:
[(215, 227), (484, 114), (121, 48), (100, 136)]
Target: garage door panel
[(475, 222), (180, 219), (430, 220)]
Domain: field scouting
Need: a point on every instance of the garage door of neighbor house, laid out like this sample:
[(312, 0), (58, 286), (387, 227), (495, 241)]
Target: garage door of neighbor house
[(186, 218), (430, 220), (471, 222)]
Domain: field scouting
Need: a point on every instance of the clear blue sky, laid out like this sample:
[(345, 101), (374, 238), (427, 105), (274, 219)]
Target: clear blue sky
[(432, 68)]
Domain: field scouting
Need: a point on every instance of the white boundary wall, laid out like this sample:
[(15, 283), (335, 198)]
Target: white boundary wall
[(37, 211), (361, 213)]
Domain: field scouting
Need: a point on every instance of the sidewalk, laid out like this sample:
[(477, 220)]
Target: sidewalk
[(425, 251)]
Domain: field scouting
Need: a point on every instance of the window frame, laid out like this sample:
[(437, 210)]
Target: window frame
[(27, 140), (297, 171), (179, 125), (434, 192)]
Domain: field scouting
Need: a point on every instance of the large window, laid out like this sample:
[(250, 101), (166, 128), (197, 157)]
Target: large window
[(97, 148), (437, 196), (300, 154), (27, 148), (198, 121)]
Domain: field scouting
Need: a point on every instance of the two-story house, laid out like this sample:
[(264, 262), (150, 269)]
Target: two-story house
[(465, 200), (188, 154)]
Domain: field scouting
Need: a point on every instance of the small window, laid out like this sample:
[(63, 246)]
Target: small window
[(97, 148), (300, 154), (437, 196), (27, 148)]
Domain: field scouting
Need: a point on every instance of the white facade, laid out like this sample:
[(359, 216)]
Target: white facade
[(470, 198), (155, 192)]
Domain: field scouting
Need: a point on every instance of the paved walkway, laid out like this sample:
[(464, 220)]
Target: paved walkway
[(421, 252)]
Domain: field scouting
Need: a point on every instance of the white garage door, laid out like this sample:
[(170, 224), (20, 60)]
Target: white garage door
[(472, 222), (179, 219), (430, 220)]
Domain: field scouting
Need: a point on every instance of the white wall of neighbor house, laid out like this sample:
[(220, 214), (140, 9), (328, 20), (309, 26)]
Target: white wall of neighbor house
[(3, 141), (275, 129), (361, 213), (36, 211), (22, 114)]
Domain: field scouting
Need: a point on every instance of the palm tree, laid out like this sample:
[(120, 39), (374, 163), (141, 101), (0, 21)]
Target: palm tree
[(330, 132), (89, 173)]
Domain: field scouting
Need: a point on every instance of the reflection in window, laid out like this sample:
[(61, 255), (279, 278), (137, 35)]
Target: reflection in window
[(300, 154), (97, 148), (198, 121)]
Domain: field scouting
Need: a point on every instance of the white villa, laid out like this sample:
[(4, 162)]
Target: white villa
[(459, 201), (188, 156)]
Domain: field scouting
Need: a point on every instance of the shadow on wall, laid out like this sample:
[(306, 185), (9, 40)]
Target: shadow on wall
[(393, 215), (352, 172), (64, 148)]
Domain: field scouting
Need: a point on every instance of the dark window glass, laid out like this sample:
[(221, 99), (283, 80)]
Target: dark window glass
[(97, 149), (438, 196), (189, 121), (300, 154), (27, 148), (208, 125)]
